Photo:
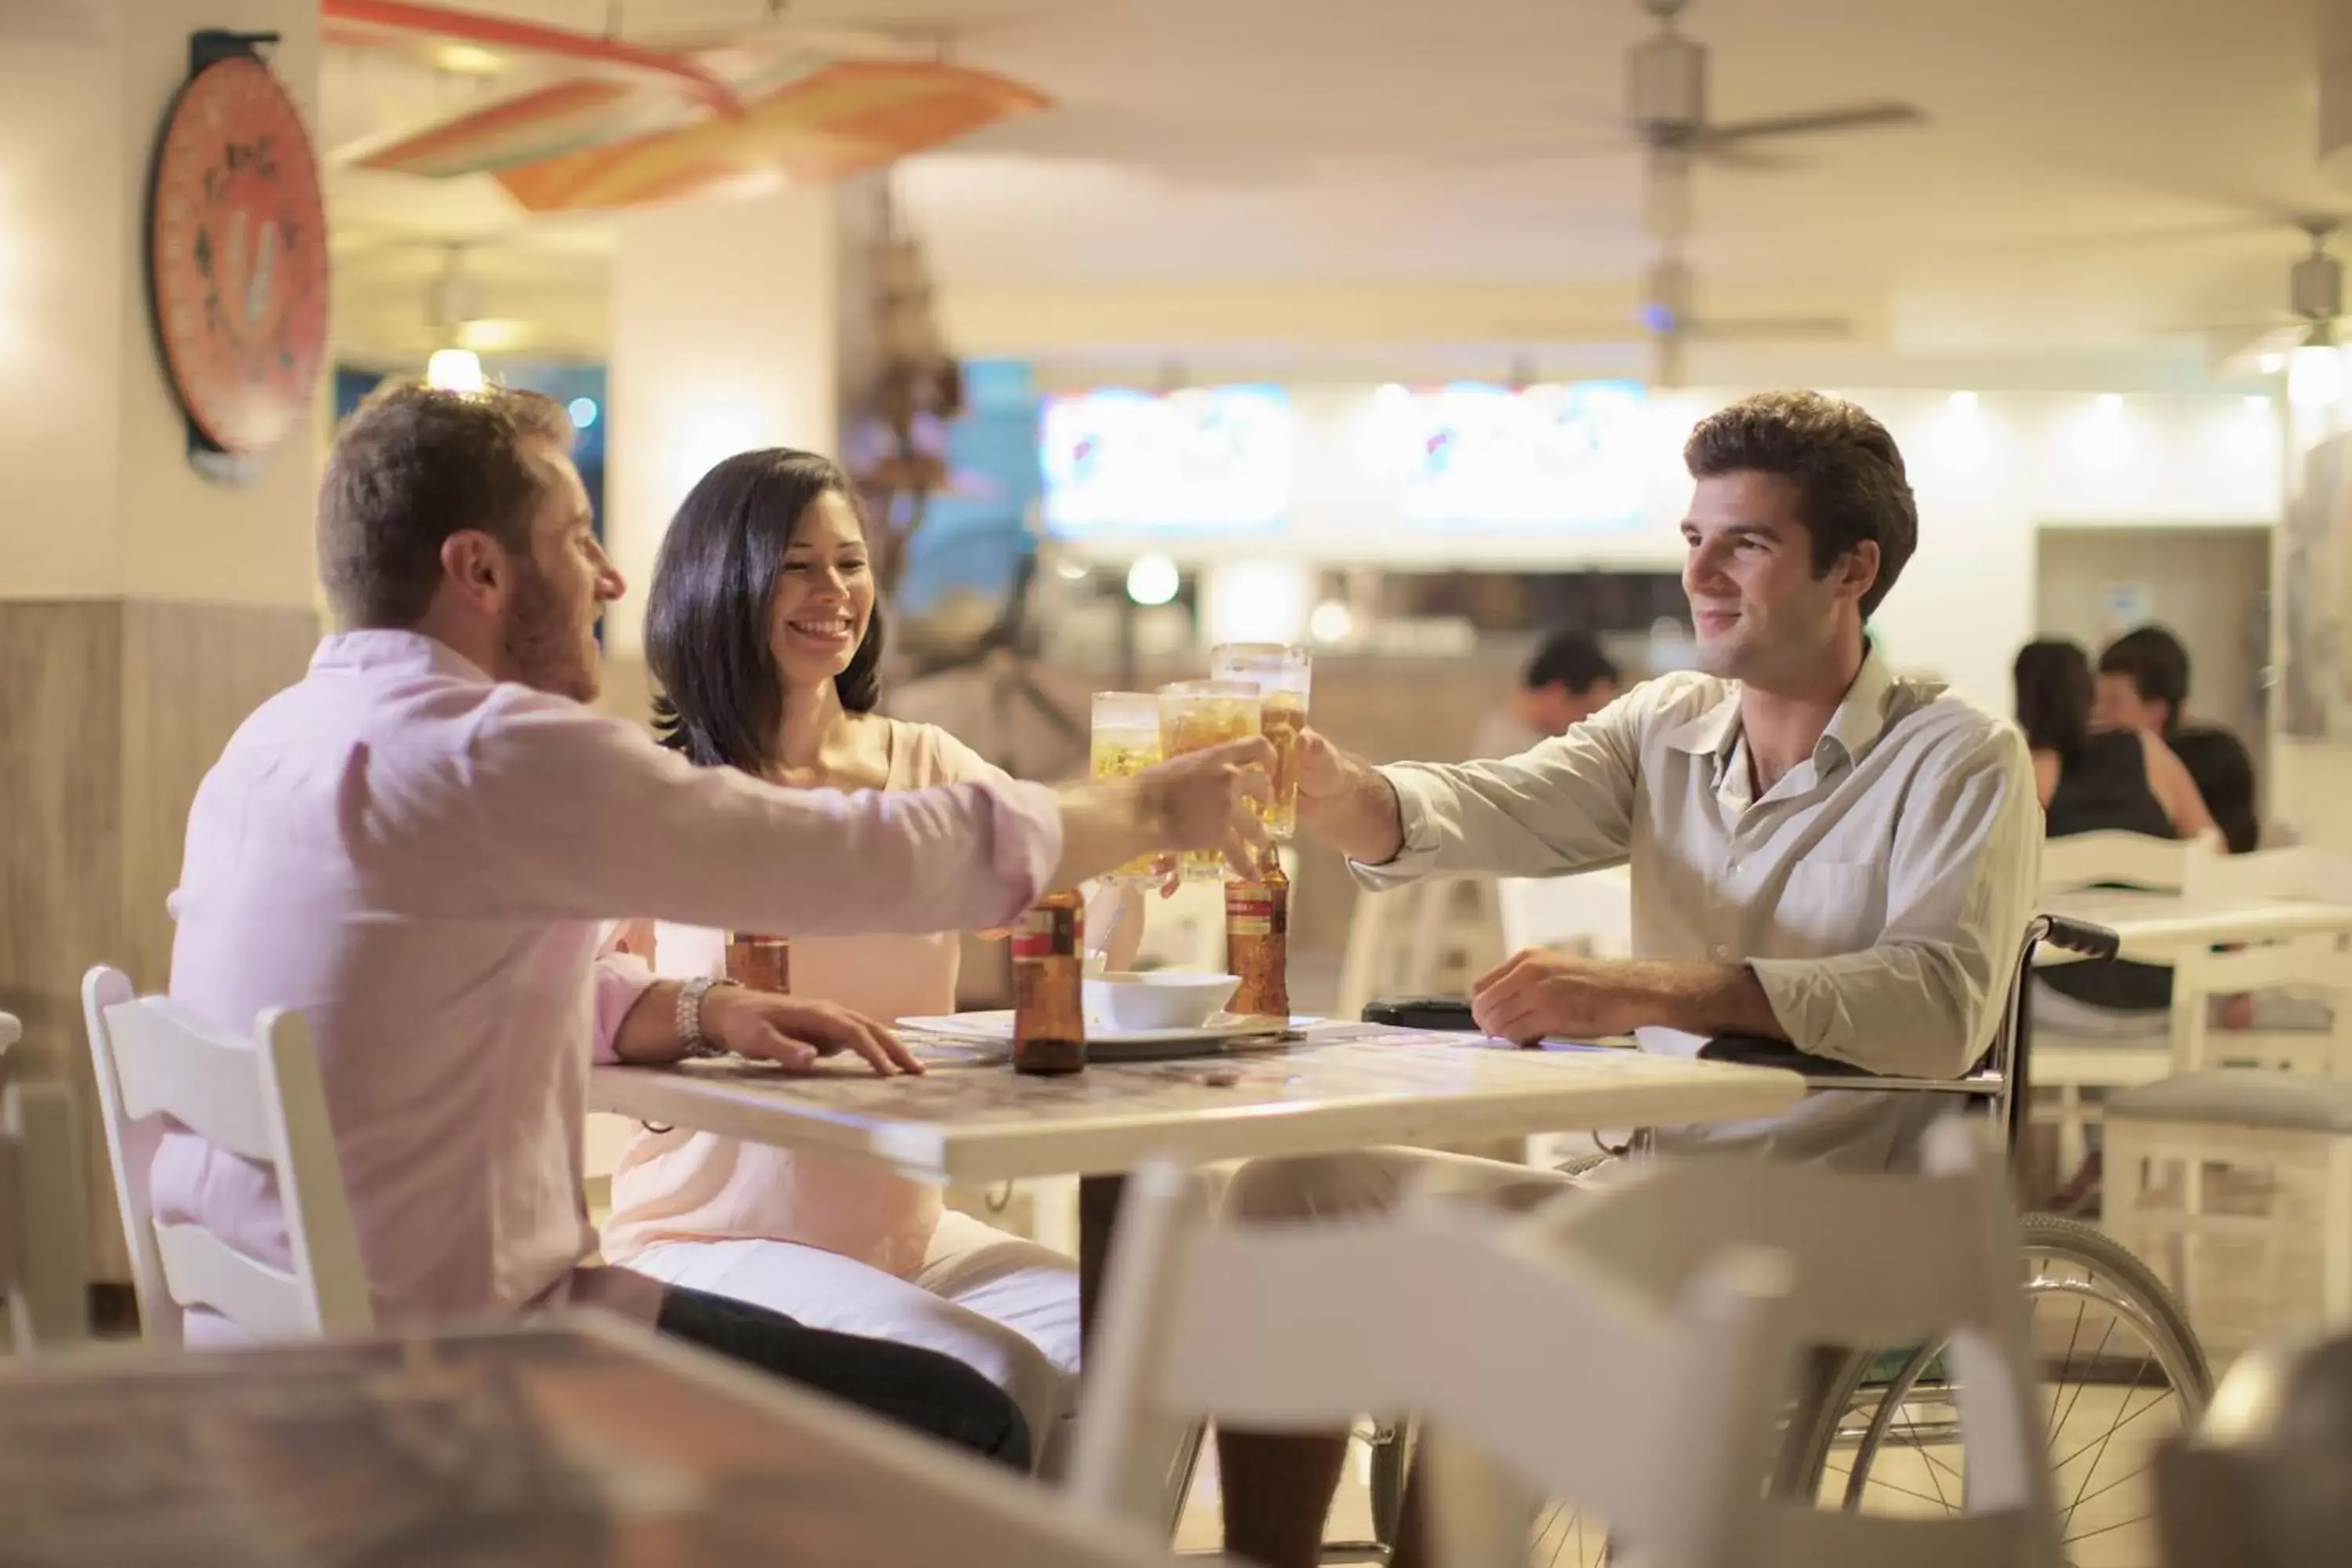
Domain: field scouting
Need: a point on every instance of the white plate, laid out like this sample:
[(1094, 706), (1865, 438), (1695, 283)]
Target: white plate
[(1227, 1031)]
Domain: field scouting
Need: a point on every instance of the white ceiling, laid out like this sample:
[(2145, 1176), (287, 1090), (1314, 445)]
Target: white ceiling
[(2094, 172)]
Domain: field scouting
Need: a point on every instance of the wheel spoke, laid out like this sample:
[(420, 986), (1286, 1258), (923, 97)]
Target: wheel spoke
[(2103, 1530), (1899, 1490), (2094, 1468), (2057, 1421), (2074, 1338), (2118, 1481), (2126, 1421)]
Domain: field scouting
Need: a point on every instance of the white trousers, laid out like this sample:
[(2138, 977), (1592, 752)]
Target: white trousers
[(1001, 1304)]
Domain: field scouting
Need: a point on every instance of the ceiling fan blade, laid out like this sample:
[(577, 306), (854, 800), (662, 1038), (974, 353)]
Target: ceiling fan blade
[(1762, 328), (1738, 155), (1595, 330), (1851, 117), (1536, 152), (2215, 328)]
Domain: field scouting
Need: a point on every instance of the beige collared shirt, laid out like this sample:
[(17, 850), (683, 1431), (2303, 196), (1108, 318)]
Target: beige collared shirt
[(1878, 891)]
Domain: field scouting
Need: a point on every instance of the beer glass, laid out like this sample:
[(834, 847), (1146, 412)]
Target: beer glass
[(1125, 742), (1282, 674), (1195, 715)]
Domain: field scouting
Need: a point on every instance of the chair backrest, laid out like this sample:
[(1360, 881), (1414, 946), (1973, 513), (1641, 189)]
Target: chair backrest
[(2298, 871), (1291, 1327), (1878, 1262), (2082, 861), (2315, 963), (44, 1220), (260, 1099), (1427, 938)]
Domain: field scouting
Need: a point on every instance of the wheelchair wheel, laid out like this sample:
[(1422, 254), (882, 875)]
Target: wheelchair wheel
[(2121, 1371)]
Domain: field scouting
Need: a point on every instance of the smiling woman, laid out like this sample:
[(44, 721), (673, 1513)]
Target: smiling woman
[(764, 577), (764, 633)]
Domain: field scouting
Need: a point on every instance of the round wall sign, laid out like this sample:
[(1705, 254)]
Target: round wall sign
[(237, 256)]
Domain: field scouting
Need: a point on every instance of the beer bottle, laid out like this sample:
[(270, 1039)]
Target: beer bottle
[(1049, 1023), (760, 962), (1258, 940)]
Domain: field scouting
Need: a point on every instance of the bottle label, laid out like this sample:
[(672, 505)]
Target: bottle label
[(1046, 933)]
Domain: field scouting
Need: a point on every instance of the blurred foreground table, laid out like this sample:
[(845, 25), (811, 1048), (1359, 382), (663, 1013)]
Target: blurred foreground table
[(575, 1441)]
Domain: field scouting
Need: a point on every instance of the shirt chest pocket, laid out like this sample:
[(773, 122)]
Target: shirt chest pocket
[(1819, 908)]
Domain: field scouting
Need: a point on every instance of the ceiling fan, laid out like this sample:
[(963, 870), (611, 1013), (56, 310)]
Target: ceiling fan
[(1666, 109), (1667, 318), (2315, 300)]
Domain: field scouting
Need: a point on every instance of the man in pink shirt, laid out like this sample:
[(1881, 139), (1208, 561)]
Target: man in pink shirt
[(417, 846)]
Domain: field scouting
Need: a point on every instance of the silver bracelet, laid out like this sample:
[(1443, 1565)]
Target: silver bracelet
[(689, 1016)]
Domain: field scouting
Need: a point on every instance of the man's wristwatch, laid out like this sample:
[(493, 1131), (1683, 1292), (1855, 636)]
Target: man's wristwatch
[(689, 1016)]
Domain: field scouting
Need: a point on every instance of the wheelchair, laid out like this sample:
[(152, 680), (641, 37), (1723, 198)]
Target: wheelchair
[(1876, 1428)]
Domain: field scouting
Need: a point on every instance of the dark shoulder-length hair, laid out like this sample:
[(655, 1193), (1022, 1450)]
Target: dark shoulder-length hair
[(2054, 697), (707, 616)]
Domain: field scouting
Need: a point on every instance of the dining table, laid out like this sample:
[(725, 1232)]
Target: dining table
[(1324, 1088), (574, 1440), (2160, 927)]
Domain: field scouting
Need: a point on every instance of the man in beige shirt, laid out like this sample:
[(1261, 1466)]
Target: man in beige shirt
[(1820, 854)]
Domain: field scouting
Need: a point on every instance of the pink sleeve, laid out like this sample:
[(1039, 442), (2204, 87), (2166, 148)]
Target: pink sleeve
[(561, 815), (621, 979)]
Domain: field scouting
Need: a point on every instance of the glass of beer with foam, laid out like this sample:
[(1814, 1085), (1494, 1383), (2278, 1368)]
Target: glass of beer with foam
[(1195, 715), (1125, 741), (1282, 674)]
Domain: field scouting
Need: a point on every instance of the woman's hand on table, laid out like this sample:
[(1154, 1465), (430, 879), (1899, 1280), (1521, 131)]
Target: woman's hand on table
[(794, 1032)]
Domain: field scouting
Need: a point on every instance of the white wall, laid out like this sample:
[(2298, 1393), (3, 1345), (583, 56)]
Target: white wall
[(100, 498), (63, 256), (723, 338), (1987, 478)]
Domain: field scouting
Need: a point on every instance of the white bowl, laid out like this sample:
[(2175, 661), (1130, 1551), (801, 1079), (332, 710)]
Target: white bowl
[(1163, 999)]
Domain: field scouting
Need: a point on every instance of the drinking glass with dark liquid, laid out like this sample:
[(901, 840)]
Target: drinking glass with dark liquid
[(1049, 1021), (1283, 675), (760, 962)]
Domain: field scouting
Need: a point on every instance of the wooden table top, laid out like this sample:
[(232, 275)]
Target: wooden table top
[(576, 1441), (972, 1119)]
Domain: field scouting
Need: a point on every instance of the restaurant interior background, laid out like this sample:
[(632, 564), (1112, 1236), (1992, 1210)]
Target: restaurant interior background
[(1370, 324)]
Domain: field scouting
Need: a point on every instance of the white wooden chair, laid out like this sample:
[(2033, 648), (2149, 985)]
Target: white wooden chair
[(2083, 860), (1300, 1327), (1877, 1261), (44, 1219), (2296, 871), (260, 1098), (1591, 913), (2072, 1071), (2233, 1178), (1426, 938)]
